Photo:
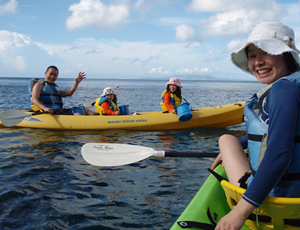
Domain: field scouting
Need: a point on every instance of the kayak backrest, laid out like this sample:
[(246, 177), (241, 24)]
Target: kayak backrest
[(98, 107), (274, 213)]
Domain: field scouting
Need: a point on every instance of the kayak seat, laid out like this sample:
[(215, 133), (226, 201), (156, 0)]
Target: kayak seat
[(274, 212)]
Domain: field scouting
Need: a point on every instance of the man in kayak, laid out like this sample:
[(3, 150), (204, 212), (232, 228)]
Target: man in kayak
[(272, 121), (47, 97)]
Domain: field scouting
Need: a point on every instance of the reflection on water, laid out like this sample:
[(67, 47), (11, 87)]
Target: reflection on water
[(46, 184)]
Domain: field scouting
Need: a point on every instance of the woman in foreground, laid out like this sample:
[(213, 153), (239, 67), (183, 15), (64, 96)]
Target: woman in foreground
[(272, 122)]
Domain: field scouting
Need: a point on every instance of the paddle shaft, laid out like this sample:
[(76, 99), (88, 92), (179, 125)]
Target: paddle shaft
[(24, 115), (190, 154)]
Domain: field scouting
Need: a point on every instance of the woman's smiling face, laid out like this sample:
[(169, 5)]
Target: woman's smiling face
[(265, 67)]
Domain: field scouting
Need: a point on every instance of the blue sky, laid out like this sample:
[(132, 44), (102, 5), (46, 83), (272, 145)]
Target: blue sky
[(132, 38)]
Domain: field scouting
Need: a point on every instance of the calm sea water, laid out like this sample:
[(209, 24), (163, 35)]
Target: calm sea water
[(46, 184)]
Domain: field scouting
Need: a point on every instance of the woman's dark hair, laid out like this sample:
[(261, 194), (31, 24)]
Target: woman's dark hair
[(290, 62), (177, 92), (52, 66)]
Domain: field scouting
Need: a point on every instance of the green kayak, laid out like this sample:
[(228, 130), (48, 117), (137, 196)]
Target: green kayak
[(211, 203), (207, 207)]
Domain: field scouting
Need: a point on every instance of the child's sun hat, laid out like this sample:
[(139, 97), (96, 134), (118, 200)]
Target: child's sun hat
[(108, 91), (274, 38), (174, 81)]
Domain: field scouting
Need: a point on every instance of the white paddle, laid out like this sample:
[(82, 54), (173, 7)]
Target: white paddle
[(13, 117), (106, 154), (90, 105)]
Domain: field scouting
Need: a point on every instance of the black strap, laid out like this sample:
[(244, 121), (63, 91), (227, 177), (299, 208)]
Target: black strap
[(185, 100), (267, 219), (194, 224), (260, 218), (254, 137), (287, 176), (292, 222), (50, 103), (218, 176), (243, 180), (48, 94)]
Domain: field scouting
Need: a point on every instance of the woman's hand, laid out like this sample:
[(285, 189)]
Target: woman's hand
[(217, 161), (232, 221), (235, 219)]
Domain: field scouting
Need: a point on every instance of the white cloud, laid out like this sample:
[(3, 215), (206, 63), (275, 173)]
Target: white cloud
[(142, 6), (159, 70), (235, 44), (196, 70), (212, 5), (96, 13), (20, 64), (9, 7), (230, 17), (12, 40), (172, 21), (185, 33), (238, 22), (138, 4)]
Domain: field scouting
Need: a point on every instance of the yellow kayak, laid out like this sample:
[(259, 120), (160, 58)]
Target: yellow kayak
[(219, 116)]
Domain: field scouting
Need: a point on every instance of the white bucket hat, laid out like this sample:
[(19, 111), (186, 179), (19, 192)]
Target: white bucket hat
[(274, 38), (108, 91), (174, 81)]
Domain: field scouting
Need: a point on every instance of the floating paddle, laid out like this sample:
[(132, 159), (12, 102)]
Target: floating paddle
[(13, 117), (104, 154)]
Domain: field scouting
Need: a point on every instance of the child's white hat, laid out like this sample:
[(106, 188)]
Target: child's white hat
[(108, 91), (274, 38)]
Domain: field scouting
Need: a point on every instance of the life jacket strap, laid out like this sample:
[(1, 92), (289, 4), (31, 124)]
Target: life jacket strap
[(254, 137), (287, 176)]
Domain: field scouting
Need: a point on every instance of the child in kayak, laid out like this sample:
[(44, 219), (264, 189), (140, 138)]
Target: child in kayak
[(272, 118), (107, 103), (171, 97)]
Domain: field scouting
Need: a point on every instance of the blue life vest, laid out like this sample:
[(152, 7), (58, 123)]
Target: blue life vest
[(257, 129), (49, 96), (112, 106)]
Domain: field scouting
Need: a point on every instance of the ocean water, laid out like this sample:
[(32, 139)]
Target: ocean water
[(46, 184)]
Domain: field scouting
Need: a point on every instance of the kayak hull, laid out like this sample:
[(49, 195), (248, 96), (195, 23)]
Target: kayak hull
[(219, 116), (208, 206)]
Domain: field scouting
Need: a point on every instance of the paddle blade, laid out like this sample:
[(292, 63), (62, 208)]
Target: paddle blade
[(105, 154), (13, 117), (90, 105)]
